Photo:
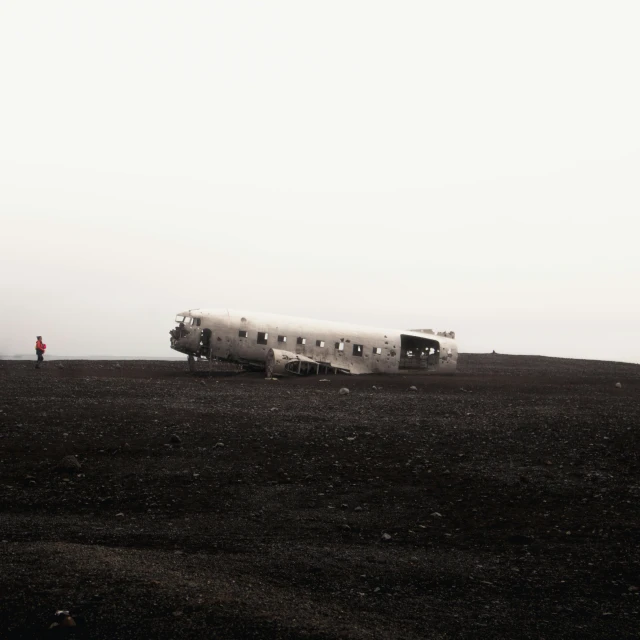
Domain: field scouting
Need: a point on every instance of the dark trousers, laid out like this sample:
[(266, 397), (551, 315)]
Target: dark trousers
[(40, 354)]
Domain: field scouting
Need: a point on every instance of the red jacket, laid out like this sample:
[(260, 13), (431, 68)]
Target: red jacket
[(40, 345)]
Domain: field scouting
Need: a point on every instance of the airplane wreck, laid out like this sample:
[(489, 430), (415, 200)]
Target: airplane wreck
[(283, 345)]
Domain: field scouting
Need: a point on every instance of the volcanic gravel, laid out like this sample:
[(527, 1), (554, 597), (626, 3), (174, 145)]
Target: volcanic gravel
[(501, 502)]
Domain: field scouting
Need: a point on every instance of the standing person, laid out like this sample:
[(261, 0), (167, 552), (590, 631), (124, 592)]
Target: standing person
[(40, 349)]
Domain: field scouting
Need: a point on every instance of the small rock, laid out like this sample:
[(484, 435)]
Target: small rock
[(358, 509), (386, 537), (413, 388), (374, 387), (68, 463), (117, 365), (435, 514), (120, 515), (175, 439), (344, 391), (618, 385), (633, 589), (59, 366), (220, 444), (63, 619)]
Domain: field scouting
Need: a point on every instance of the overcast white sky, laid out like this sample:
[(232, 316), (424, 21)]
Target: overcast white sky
[(470, 166)]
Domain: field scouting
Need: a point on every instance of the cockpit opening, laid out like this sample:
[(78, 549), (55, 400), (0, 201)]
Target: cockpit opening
[(184, 323)]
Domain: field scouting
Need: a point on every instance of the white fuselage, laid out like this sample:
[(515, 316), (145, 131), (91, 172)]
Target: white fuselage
[(248, 337)]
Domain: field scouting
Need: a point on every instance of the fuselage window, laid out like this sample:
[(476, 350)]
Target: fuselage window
[(340, 346), (377, 351), (282, 338), (319, 343), (242, 334), (197, 321), (357, 350), (262, 337), (302, 341)]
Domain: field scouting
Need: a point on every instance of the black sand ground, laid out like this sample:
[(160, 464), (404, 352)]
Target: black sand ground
[(498, 503)]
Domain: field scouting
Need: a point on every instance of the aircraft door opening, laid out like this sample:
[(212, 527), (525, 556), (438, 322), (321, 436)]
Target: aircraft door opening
[(205, 343)]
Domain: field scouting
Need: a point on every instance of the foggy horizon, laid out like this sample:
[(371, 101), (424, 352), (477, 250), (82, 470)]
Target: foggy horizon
[(470, 168)]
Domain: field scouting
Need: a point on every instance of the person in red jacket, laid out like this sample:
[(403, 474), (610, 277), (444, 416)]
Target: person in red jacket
[(40, 349)]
